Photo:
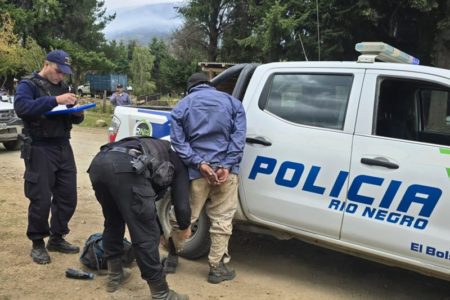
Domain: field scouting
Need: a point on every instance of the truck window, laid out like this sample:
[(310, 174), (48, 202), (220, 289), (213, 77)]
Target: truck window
[(413, 110), (234, 80), (310, 99)]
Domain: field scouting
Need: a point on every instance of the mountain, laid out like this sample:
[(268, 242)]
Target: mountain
[(142, 23)]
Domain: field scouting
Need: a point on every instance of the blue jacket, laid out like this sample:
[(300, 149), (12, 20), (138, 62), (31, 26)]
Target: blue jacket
[(24, 101), (36, 96), (208, 125)]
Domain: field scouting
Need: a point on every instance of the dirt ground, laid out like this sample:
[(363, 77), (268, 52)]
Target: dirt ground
[(266, 268)]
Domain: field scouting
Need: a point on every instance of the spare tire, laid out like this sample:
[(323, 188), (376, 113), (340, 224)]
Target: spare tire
[(198, 244)]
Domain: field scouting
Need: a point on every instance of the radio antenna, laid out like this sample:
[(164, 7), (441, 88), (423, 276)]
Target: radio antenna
[(318, 26)]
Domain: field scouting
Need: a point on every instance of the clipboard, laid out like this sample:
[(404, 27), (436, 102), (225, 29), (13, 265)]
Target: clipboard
[(62, 109)]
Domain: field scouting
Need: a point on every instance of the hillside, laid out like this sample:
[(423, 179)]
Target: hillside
[(142, 23)]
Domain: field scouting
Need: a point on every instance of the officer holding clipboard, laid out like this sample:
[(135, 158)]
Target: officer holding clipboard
[(50, 171)]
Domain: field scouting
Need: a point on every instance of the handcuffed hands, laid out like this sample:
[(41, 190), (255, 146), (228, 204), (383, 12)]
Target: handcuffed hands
[(214, 177), (222, 174), (209, 174)]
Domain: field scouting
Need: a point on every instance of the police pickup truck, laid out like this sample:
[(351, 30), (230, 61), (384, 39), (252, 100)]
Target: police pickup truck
[(353, 156)]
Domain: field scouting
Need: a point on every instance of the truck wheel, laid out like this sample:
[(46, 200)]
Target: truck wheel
[(80, 92), (198, 244), (12, 145)]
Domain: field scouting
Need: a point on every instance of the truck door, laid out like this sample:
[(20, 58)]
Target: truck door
[(300, 123), (400, 169)]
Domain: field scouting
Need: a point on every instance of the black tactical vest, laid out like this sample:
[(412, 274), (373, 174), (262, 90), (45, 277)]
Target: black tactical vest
[(48, 127), (158, 152)]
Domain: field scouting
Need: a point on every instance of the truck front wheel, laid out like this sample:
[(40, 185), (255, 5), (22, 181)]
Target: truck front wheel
[(198, 244), (12, 145)]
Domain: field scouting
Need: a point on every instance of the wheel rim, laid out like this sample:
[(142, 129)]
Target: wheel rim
[(194, 226)]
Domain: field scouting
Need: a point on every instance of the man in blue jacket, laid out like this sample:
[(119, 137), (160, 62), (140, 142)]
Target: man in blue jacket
[(50, 171), (119, 97), (208, 133)]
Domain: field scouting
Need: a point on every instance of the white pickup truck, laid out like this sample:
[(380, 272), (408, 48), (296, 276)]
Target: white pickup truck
[(353, 156), (10, 124)]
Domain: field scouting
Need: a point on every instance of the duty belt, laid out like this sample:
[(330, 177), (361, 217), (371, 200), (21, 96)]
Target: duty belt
[(132, 152)]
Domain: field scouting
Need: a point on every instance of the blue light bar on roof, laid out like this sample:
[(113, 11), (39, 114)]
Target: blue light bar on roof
[(383, 52)]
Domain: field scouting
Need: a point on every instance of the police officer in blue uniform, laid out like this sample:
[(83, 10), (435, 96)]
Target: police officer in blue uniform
[(50, 171), (128, 176)]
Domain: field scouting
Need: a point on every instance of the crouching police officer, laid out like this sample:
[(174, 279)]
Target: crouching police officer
[(50, 171), (128, 176)]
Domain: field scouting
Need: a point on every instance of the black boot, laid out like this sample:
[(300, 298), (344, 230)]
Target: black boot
[(170, 262), (117, 275), (39, 253), (57, 243), (220, 273), (160, 291)]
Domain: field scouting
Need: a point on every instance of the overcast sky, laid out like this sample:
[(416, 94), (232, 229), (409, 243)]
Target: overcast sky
[(113, 5)]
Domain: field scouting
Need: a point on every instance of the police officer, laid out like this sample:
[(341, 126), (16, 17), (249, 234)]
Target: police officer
[(50, 171), (128, 176), (119, 97)]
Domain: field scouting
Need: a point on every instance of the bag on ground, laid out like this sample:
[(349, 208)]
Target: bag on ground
[(93, 255)]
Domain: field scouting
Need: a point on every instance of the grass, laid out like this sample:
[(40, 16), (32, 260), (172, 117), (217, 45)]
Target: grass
[(92, 115)]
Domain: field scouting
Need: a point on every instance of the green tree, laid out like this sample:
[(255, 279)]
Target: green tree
[(188, 43), (160, 52), (118, 53), (14, 58), (140, 69), (85, 61), (74, 26), (212, 17), (47, 21), (241, 26), (441, 44), (329, 30), (175, 72)]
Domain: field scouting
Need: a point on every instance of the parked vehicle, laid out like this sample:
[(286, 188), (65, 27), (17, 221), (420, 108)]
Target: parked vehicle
[(353, 156), (84, 89), (96, 84), (10, 124)]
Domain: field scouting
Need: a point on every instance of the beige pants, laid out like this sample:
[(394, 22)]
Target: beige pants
[(220, 204)]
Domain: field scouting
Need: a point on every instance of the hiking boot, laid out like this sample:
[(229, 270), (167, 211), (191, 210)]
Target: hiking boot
[(40, 255), (59, 244), (220, 273), (160, 291), (170, 263), (117, 275)]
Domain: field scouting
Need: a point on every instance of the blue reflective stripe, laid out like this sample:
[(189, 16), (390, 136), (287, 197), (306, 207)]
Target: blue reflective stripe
[(160, 130)]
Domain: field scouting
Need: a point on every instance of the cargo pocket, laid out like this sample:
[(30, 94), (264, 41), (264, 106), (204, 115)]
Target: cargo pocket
[(123, 166), (31, 184), (143, 204)]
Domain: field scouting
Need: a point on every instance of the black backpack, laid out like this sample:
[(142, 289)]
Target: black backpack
[(93, 255)]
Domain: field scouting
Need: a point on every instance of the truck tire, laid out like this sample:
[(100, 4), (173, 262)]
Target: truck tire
[(198, 244), (12, 145)]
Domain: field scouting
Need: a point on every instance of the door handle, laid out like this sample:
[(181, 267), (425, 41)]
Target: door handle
[(258, 140), (380, 162)]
